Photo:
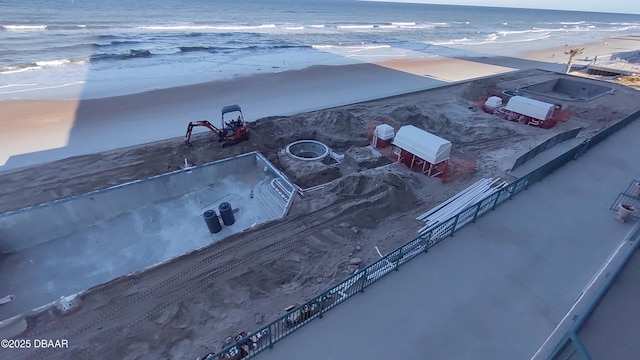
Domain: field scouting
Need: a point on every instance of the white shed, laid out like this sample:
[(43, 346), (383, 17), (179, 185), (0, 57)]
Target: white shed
[(384, 132), (423, 144), (530, 107), (493, 102)]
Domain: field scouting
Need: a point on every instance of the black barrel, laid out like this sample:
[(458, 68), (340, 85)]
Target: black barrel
[(211, 218), (227, 214)]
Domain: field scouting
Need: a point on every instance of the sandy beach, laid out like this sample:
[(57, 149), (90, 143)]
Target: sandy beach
[(602, 48), (39, 131)]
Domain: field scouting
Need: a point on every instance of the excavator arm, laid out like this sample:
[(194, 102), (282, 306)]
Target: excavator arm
[(204, 123)]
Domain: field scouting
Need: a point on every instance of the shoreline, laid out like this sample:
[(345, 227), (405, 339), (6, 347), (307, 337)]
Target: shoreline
[(37, 131), (82, 89)]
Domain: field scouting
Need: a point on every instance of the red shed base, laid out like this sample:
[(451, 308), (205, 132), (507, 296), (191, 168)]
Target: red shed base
[(417, 164)]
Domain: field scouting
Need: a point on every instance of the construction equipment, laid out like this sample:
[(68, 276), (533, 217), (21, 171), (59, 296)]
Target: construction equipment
[(232, 131)]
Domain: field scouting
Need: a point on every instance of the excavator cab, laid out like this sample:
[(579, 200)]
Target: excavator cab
[(233, 130), (231, 124)]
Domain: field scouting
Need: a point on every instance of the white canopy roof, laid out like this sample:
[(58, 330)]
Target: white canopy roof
[(423, 144), (530, 107)]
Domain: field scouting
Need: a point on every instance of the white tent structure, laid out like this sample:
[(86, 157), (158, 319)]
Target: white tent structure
[(422, 148), (530, 107)]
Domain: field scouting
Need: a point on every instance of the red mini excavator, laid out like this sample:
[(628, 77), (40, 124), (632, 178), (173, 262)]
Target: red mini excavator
[(233, 130)]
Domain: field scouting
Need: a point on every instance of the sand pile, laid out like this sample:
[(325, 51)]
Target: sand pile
[(459, 127), (361, 158), (338, 128)]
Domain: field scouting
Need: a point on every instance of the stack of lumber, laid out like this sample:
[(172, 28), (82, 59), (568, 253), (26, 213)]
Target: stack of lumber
[(463, 200)]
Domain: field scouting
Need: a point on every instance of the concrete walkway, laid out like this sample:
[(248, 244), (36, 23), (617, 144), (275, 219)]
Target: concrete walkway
[(498, 288)]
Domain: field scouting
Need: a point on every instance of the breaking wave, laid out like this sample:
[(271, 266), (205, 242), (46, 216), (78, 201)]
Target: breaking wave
[(41, 65)]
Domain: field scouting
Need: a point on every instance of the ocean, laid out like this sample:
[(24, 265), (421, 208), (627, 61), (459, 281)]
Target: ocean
[(95, 48)]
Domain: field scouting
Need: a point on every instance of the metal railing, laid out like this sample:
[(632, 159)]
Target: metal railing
[(249, 345), (571, 345)]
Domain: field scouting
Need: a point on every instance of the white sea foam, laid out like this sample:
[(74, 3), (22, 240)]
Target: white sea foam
[(41, 65), (408, 23), (24, 27), (42, 88), (14, 69), (451, 42), (206, 27), (52, 63), (426, 26), (535, 37), (354, 27), (518, 32), (15, 85), (350, 47)]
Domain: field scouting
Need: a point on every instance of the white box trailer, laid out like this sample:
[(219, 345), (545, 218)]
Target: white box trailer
[(536, 109)]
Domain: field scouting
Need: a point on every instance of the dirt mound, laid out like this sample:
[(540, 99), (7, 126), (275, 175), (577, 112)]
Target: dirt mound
[(480, 89), (339, 120), (387, 192), (458, 127), (278, 132), (322, 176), (360, 158), (339, 128), (371, 182)]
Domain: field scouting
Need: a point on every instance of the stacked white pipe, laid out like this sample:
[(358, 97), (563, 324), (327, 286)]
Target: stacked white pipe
[(461, 201)]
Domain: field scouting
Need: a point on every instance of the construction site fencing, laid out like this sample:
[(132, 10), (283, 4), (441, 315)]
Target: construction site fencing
[(249, 345)]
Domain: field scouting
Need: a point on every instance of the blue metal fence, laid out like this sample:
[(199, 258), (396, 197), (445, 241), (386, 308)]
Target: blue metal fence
[(249, 345)]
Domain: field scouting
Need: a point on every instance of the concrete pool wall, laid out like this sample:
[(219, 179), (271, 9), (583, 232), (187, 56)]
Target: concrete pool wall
[(569, 89), (25, 228), (70, 245)]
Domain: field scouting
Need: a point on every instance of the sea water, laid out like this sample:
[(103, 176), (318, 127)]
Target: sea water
[(95, 48)]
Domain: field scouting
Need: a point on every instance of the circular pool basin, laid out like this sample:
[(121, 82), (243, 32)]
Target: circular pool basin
[(308, 150)]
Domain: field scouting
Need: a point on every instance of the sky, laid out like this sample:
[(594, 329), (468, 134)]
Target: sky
[(615, 6)]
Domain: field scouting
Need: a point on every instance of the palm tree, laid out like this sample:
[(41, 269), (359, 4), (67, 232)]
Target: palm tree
[(572, 54)]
